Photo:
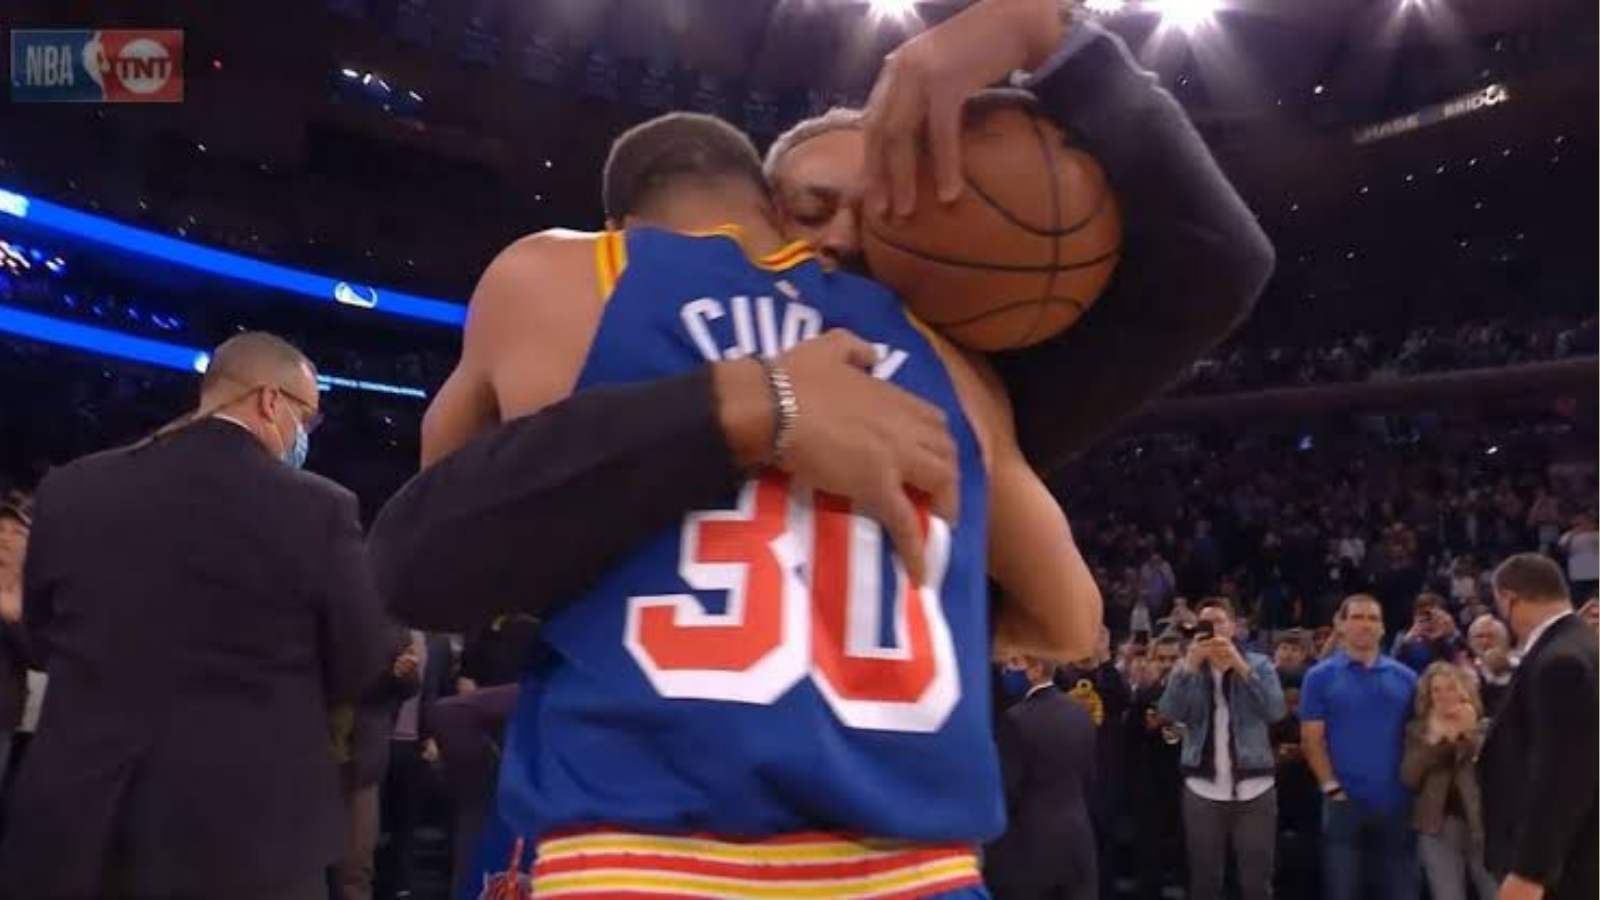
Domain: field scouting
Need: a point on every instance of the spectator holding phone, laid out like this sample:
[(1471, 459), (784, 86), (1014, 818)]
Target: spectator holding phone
[(1433, 636), (1226, 698)]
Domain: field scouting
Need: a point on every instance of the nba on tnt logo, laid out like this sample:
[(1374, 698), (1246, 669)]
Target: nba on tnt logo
[(109, 65)]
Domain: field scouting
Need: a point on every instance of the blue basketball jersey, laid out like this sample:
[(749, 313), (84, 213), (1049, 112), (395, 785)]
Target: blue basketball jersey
[(763, 667)]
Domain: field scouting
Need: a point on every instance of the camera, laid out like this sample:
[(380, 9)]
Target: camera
[(1205, 630)]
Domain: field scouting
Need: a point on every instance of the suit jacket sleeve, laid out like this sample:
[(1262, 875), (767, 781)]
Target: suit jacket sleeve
[(531, 513), (358, 640), (40, 574), (1194, 259), (1560, 770)]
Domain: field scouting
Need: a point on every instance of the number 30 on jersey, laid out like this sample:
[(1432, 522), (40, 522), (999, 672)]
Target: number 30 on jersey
[(803, 577)]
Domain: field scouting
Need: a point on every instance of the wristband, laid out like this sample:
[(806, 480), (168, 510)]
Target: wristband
[(785, 407)]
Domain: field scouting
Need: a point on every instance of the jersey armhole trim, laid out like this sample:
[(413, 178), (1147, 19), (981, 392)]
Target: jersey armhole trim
[(610, 259)]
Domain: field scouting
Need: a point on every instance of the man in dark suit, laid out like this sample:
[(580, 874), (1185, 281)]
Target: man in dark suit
[(365, 758), (199, 606), (1537, 766), (1047, 750)]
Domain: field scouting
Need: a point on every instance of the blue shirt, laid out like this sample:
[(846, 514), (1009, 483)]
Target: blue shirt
[(1365, 709)]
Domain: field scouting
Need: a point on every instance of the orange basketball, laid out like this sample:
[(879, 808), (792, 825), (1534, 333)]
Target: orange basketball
[(1023, 252)]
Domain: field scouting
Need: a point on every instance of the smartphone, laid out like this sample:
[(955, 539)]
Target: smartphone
[(1204, 630), (1141, 638)]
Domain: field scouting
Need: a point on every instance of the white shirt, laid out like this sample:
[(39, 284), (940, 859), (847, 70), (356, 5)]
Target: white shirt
[(1222, 788), (1539, 630), (1583, 554), (1037, 688)]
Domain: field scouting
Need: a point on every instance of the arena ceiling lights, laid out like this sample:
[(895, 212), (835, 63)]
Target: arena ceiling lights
[(115, 344), (149, 244), (1185, 15)]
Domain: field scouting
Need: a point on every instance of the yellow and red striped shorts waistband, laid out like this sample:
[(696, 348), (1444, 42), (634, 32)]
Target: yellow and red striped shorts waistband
[(605, 863)]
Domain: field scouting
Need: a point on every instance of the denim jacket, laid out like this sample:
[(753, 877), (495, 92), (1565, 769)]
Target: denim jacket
[(1253, 704)]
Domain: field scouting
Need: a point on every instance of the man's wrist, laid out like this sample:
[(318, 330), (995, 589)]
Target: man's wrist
[(1041, 25), (1332, 789), (744, 407)]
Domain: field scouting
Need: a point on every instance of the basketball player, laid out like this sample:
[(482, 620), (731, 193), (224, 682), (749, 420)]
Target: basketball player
[(1194, 259), (811, 684)]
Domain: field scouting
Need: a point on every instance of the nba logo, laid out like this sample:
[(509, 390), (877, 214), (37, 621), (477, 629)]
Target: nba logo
[(97, 66)]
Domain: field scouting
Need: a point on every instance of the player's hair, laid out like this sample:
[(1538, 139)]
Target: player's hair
[(1532, 577), (669, 150), (1344, 607), (840, 118), (253, 358)]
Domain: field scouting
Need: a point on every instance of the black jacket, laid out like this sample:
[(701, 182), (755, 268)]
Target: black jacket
[(199, 607), (1537, 767), (1047, 750), (373, 718)]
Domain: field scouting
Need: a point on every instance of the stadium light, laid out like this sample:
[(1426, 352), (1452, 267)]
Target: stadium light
[(106, 342), (892, 9), (108, 232), (1188, 14)]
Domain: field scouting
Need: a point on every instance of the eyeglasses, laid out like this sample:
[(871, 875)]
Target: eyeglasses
[(309, 420), (312, 417)]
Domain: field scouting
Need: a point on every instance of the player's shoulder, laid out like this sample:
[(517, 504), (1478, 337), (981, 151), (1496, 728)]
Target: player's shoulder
[(546, 270), (543, 249)]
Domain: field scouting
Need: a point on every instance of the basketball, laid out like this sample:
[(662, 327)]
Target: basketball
[(1021, 254)]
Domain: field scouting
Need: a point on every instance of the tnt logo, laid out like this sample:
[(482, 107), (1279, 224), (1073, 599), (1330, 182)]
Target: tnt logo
[(104, 66)]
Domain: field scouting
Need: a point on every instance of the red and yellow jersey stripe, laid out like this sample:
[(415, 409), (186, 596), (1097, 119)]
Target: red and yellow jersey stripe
[(594, 864)]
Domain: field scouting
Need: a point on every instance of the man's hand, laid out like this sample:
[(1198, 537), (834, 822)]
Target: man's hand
[(405, 665), (465, 685), (921, 89), (1196, 656), (1515, 887), (1224, 656), (1497, 661), (10, 604), (856, 436), (430, 752)]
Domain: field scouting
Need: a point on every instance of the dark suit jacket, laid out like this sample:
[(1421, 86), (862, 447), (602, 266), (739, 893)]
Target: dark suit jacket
[(373, 720), (199, 606), (1537, 767), (1047, 751)]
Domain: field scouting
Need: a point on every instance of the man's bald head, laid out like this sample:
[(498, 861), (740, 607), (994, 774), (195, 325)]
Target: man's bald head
[(254, 359), (1487, 633)]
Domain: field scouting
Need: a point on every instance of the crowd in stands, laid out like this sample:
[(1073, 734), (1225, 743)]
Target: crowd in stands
[(1288, 525), (1253, 364)]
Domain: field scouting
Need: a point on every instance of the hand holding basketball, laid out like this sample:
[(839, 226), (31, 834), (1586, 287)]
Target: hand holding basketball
[(923, 84)]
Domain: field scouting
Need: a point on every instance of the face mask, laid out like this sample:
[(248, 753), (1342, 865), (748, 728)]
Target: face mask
[(1014, 682), (294, 456)]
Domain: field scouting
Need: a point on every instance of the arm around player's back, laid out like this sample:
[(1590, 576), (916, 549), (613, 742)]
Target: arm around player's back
[(520, 514), (1053, 607)]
